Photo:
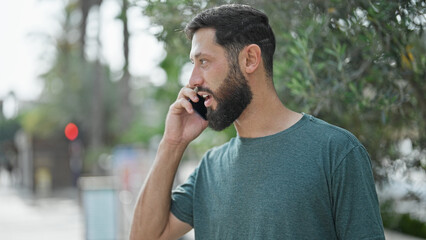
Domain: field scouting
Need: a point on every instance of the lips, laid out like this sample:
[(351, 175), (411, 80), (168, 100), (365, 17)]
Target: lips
[(208, 99)]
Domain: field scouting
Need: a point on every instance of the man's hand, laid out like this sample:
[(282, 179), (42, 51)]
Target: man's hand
[(182, 124), (152, 218)]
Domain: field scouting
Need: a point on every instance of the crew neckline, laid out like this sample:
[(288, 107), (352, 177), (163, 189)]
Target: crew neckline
[(305, 118)]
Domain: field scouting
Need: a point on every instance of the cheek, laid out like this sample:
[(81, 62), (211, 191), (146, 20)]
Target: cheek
[(217, 75)]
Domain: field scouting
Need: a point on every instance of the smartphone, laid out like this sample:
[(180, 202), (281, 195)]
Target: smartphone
[(199, 107)]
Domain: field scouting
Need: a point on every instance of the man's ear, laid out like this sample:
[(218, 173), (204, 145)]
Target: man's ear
[(252, 57)]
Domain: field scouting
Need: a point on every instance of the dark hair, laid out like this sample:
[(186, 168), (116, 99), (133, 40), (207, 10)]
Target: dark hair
[(236, 27)]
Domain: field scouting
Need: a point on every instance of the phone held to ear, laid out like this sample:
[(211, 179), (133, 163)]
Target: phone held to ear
[(199, 107)]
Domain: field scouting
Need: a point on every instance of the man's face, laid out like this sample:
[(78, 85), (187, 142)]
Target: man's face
[(220, 80), (232, 98)]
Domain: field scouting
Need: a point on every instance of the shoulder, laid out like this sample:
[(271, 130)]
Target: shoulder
[(325, 132), (335, 143), (330, 130)]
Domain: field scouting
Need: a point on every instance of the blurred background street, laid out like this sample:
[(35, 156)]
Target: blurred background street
[(24, 216), (62, 214)]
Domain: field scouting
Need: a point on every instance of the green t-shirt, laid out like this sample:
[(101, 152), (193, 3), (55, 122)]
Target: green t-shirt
[(310, 181)]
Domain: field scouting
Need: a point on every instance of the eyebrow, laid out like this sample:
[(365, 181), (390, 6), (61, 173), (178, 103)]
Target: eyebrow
[(198, 55)]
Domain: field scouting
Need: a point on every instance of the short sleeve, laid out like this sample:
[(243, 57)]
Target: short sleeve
[(355, 204), (182, 200)]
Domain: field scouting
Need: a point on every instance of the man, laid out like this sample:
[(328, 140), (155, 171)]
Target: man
[(285, 176)]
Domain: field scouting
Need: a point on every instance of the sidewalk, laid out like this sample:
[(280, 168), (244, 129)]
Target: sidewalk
[(23, 217)]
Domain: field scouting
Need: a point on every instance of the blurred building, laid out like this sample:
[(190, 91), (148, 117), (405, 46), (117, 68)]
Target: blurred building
[(43, 163), (39, 164)]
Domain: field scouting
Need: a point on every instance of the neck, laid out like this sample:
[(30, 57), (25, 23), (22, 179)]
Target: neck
[(265, 115)]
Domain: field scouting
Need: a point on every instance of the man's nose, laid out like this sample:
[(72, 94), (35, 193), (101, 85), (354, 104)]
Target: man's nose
[(196, 78)]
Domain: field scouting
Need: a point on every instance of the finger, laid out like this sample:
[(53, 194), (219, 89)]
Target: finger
[(185, 104), (188, 93)]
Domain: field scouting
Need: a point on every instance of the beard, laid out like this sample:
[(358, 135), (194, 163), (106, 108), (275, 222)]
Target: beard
[(232, 97)]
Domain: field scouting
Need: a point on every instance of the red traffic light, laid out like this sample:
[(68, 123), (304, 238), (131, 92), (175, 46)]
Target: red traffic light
[(71, 131)]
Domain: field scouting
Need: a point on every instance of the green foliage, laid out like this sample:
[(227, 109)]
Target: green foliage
[(36, 122), (401, 222), (141, 132), (412, 226), (357, 64), (390, 219)]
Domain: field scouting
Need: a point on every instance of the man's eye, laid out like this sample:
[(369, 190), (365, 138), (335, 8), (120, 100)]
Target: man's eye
[(203, 61)]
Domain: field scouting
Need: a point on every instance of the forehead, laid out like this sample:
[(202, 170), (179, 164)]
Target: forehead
[(204, 43)]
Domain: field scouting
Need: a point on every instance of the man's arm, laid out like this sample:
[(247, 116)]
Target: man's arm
[(152, 217)]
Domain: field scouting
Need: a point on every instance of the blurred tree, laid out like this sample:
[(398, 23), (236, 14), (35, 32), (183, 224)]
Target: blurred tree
[(357, 64), (125, 110), (85, 6), (96, 132), (76, 89), (97, 126), (352, 63)]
